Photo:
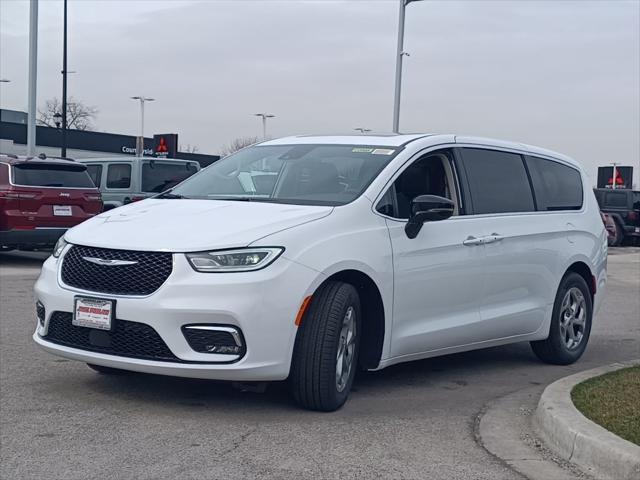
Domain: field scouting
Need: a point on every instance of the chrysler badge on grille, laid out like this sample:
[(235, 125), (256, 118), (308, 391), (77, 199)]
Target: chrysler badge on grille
[(109, 262)]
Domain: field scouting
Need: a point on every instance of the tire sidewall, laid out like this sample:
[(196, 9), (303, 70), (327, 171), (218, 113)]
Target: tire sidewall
[(352, 301), (569, 281)]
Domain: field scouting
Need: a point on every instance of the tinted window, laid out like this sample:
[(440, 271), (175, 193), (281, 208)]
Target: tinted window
[(314, 174), (159, 176), (43, 175), (95, 172), (557, 186), (636, 200), (119, 175), (498, 181), (615, 199)]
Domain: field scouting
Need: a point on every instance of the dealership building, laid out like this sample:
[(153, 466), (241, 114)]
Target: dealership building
[(88, 144)]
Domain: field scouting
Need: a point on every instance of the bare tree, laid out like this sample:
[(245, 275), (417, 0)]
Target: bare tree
[(188, 148), (237, 144), (79, 115)]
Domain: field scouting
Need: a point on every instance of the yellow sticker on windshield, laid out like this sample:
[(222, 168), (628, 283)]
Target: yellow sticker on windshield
[(383, 151)]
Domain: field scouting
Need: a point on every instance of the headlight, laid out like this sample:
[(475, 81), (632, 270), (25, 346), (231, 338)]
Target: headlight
[(241, 260), (60, 244)]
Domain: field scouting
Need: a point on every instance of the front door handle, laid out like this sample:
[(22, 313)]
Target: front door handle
[(494, 237), (471, 241)]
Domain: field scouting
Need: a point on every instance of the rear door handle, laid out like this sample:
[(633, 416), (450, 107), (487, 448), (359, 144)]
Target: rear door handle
[(471, 241), (494, 237)]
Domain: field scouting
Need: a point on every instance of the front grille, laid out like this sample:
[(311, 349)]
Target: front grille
[(127, 339), (141, 278)]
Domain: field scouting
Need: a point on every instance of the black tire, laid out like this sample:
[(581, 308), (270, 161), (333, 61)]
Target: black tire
[(313, 379), (554, 348), (107, 370), (618, 236)]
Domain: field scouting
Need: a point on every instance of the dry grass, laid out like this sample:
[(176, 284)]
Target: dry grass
[(612, 401)]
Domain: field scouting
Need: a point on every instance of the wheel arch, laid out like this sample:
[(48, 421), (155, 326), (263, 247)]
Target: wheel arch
[(582, 269)]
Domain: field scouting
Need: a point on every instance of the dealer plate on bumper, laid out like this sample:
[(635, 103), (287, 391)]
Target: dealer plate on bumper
[(93, 312)]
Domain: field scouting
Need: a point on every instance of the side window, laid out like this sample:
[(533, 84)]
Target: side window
[(498, 181), (636, 200), (557, 186), (95, 172), (429, 175), (119, 175)]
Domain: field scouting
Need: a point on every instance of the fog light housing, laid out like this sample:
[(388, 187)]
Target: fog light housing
[(40, 312), (218, 339)]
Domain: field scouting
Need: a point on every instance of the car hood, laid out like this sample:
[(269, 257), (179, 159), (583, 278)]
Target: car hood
[(184, 225)]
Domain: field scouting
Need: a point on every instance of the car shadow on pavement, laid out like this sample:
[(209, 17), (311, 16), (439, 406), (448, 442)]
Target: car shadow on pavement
[(450, 372)]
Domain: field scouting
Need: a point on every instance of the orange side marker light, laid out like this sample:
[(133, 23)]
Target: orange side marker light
[(303, 310)]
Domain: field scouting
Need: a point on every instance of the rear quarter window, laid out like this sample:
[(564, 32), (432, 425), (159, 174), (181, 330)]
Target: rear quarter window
[(557, 186), (43, 175)]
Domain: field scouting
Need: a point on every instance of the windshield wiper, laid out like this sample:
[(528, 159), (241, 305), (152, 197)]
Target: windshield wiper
[(169, 195), (244, 199)]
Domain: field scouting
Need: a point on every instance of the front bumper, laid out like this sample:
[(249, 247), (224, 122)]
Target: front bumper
[(262, 304)]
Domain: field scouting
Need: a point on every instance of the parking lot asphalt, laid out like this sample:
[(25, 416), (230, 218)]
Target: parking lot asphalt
[(61, 420)]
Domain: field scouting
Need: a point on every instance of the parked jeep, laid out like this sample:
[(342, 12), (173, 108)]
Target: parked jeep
[(124, 180), (623, 206)]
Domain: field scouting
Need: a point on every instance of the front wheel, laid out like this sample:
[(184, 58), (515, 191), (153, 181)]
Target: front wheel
[(325, 355), (570, 325)]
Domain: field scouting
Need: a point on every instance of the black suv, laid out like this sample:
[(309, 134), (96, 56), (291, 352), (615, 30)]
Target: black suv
[(624, 207)]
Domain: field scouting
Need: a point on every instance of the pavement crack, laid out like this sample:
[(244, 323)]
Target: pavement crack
[(235, 444)]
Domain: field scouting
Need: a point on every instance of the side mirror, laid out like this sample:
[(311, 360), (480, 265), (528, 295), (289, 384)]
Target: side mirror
[(427, 208)]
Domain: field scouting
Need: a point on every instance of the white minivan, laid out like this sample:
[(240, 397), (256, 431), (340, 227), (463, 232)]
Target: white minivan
[(310, 257)]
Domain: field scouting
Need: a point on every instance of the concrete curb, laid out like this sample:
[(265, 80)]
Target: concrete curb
[(573, 437)]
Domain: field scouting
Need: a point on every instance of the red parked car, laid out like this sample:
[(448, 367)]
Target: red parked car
[(40, 198)]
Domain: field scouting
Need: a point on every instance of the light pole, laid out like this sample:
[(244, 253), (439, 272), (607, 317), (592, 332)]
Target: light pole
[(33, 77), (264, 122), (140, 141), (63, 147), (362, 130), (615, 171), (399, 54)]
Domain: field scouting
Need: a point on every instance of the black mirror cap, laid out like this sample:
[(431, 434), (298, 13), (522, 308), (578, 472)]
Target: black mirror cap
[(427, 208)]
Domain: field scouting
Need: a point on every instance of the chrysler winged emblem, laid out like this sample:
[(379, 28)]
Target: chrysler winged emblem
[(109, 262)]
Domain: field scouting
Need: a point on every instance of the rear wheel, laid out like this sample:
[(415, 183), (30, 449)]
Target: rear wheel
[(107, 370), (618, 236), (325, 355), (570, 325)]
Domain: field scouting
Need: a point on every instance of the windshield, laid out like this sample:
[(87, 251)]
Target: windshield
[(157, 176), (299, 174)]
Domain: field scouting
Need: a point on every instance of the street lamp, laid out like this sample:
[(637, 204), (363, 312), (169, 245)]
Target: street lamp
[(264, 122), (56, 119), (362, 130), (399, 54), (140, 141)]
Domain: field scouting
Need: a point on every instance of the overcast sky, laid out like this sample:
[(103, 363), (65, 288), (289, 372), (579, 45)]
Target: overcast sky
[(562, 75)]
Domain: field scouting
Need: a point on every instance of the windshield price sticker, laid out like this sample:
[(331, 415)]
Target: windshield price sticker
[(383, 151)]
